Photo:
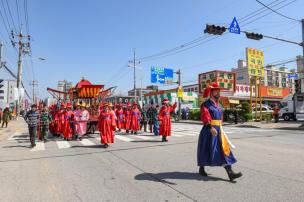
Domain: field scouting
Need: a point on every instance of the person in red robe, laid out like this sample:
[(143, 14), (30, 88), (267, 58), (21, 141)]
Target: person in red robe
[(127, 112), (165, 119), (68, 122), (106, 125), (120, 118), (135, 116), (61, 119)]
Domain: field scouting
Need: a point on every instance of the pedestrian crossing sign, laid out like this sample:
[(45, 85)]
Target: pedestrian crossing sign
[(234, 27)]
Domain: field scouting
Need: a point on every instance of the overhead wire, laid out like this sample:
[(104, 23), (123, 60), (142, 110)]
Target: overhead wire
[(282, 15), (18, 14), (10, 13)]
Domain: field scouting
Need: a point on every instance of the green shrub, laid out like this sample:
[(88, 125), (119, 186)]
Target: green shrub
[(194, 114), (246, 107), (248, 116)]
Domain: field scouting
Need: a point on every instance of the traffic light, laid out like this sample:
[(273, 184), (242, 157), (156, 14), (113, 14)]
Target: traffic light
[(213, 29), (1, 85), (254, 36), (298, 86)]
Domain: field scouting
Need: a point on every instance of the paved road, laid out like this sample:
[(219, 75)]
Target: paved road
[(141, 168)]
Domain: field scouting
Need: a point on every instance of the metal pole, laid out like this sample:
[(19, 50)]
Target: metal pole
[(250, 84), (179, 99), (1, 55), (256, 98), (260, 94), (303, 42), (19, 74), (134, 66)]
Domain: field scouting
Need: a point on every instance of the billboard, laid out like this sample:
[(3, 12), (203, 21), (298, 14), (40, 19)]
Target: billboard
[(255, 62), (225, 79), (161, 75)]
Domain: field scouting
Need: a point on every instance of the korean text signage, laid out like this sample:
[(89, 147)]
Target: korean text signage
[(274, 92), (255, 62), (243, 90), (161, 75)]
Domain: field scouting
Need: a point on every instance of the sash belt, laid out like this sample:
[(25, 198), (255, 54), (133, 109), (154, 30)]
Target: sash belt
[(224, 138)]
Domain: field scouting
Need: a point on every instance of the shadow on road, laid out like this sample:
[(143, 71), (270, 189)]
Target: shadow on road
[(137, 141), (17, 146), (163, 177)]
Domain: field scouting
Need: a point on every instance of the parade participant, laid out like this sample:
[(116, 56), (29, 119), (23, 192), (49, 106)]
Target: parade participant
[(120, 118), (77, 113), (213, 143), (5, 117), (165, 119), (144, 119), (68, 126), (155, 121), (84, 117), (56, 121), (127, 113), (106, 125), (52, 125), (61, 118), (151, 115), (32, 119), (135, 116), (45, 119)]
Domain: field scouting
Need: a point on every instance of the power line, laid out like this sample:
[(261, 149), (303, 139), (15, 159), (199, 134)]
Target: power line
[(18, 14), (5, 14), (270, 12), (200, 40), (278, 12), (26, 16), (10, 13)]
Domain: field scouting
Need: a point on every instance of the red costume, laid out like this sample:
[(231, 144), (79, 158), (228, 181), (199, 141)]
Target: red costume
[(68, 123), (107, 126), (120, 118), (127, 113), (135, 116), (165, 119)]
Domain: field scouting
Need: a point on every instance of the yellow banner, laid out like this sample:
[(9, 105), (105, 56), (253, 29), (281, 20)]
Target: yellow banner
[(255, 62), (274, 92)]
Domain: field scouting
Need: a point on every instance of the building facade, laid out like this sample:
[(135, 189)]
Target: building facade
[(273, 77), (8, 92), (191, 88)]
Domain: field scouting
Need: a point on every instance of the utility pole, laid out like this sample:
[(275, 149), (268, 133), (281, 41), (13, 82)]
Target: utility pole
[(134, 66), (33, 84), (303, 41), (24, 48), (1, 55)]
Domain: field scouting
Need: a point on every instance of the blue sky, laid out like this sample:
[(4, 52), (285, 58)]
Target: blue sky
[(95, 38)]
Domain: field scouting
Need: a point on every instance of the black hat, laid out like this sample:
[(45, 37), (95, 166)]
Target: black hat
[(34, 105)]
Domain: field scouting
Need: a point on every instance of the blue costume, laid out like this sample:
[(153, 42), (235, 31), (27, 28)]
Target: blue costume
[(210, 150)]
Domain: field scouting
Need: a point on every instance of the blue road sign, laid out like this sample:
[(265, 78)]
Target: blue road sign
[(292, 76), (234, 27), (161, 75)]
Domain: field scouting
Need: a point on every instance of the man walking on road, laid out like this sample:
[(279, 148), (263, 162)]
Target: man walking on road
[(213, 144), (32, 118), (165, 119)]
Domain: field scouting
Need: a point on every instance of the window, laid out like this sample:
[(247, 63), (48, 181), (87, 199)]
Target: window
[(229, 76), (222, 85), (211, 76), (222, 75)]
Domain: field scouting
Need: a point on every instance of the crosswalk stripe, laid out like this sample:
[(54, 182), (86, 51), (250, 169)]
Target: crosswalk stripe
[(98, 139), (87, 142), (123, 138), (39, 146), (177, 135), (144, 137), (185, 133), (63, 144)]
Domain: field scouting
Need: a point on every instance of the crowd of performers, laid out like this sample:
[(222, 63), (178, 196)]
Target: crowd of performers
[(71, 121)]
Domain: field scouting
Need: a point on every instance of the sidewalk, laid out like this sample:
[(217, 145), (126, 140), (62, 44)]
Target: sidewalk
[(13, 126), (282, 125)]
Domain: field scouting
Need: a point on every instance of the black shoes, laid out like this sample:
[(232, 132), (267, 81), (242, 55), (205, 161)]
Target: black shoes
[(202, 171), (231, 174), (106, 146), (164, 139)]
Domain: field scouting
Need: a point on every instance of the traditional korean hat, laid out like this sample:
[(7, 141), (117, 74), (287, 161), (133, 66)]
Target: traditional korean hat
[(83, 105), (211, 87), (63, 104), (165, 101), (134, 104), (128, 104), (110, 104)]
